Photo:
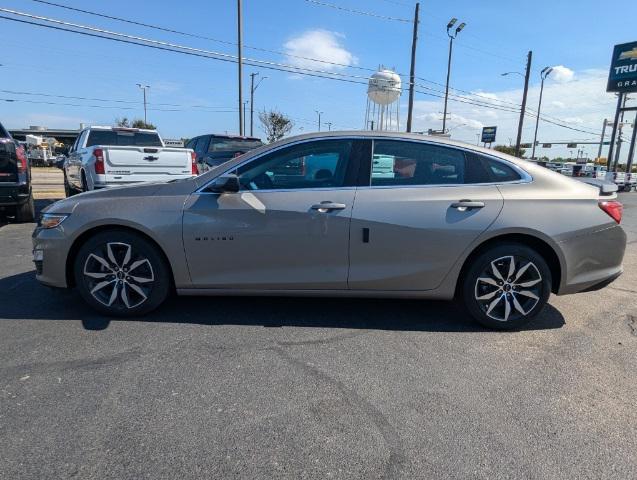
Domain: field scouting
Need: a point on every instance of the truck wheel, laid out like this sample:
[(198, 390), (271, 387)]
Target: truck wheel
[(25, 213), (121, 274), (68, 191), (84, 182)]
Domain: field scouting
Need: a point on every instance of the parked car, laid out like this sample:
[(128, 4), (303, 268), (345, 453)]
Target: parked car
[(212, 150), (16, 195), (113, 156), (452, 220)]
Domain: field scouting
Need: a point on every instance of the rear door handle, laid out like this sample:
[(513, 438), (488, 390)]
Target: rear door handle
[(325, 207), (464, 205)]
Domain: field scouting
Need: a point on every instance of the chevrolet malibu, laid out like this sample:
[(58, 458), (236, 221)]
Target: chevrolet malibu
[(358, 214)]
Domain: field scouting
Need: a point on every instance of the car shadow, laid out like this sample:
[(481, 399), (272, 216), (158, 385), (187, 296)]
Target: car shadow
[(22, 297)]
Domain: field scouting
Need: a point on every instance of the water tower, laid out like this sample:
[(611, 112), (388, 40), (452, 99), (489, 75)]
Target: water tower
[(383, 101)]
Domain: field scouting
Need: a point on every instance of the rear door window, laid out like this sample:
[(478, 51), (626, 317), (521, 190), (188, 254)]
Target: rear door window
[(397, 163)]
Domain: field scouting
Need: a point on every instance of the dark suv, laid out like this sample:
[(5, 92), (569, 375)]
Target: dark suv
[(213, 150), (16, 196)]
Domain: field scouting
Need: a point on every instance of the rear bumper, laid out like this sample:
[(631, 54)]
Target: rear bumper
[(107, 183), (13, 195), (593, 260)]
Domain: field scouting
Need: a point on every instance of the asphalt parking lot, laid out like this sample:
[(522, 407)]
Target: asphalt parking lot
[(314, 388)]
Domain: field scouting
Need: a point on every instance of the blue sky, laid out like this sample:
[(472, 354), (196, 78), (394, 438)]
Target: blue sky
[(576, 35)]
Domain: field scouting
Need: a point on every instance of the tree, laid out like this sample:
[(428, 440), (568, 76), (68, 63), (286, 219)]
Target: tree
[(139, 123), (275, 125), (509, 150), (135, 123)]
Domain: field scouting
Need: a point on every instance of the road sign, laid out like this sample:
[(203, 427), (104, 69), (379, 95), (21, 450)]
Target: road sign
[(525, 145), (488, 134), (546, 145), (571, 145), (623, 69)]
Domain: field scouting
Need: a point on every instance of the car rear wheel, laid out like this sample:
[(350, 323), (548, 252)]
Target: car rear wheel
[(506, 286), (122, 274), (25, 213)]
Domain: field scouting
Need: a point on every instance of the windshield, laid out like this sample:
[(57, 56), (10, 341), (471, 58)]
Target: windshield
[(123, 138), (233, 145)]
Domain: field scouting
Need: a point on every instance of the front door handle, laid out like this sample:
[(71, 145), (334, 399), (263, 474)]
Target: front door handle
[(325, 207), (464, 205)]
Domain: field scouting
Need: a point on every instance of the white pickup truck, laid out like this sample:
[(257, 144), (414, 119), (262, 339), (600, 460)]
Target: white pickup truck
[(111, 156), (624, 181)]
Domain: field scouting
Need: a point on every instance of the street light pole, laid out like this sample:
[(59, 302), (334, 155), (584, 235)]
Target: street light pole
[(253, 88), (452, 37), (329, 126), (144, 87), (319, 119), (240, 64), (546, 71)]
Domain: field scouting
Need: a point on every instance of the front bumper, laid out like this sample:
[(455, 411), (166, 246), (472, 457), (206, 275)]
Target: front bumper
[(50, 251), (592, 260)]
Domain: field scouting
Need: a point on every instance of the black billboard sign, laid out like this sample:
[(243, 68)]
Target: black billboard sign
[(623, 69), (488, 134)]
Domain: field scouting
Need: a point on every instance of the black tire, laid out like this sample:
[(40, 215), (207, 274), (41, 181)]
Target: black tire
[(486, 296), (122, 288), (68, 190), (25, 213), (84, 182)]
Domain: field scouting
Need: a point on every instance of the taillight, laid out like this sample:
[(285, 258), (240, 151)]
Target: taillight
[(98, 153), (613, 208), (193, 163), (22, 159)]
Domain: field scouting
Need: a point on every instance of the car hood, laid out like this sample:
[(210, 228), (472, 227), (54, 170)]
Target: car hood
[(68, 205)]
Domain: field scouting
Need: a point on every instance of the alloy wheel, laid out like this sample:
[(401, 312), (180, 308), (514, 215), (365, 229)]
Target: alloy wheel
[(117, 276), (509, 288)]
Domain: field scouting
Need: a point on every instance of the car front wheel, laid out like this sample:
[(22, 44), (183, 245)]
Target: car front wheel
[(122, 274), (506, 286)]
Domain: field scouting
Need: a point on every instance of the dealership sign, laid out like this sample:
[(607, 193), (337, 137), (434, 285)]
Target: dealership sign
[(623, 69), (488, 134)]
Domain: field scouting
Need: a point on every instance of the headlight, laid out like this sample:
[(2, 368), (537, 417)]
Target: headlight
[(51, 220)]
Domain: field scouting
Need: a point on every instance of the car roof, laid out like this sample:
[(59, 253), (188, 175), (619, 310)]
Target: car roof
[(402, 136)]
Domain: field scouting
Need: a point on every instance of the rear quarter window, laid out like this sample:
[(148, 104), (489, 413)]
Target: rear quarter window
[(483, 169)]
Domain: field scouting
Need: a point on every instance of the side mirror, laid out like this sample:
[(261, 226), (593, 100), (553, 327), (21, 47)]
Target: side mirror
[(225, 184)]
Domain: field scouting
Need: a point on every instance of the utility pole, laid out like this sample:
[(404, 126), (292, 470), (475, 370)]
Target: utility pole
[(546, 71), (613, 136), (619, 135), (144, 87), (631, 151), (523, 108), (245, 117), (412, 69), (601, 141), (240, 63), (452, 37), (319, 119)]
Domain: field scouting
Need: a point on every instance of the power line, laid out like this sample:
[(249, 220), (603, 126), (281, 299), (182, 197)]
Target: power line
[(201, 37), (358, 12), (166, 46)]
